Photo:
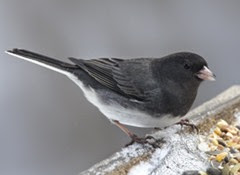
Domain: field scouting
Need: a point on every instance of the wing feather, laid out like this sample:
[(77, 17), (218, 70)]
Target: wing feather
[(108, 72)]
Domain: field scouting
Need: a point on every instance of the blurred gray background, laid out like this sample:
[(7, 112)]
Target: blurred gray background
[(46, 125)]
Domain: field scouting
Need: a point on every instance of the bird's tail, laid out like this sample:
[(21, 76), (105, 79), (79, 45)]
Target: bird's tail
[(51, 63)]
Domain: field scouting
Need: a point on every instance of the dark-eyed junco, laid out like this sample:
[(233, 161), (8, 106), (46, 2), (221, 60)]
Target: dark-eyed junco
[(141, 92)]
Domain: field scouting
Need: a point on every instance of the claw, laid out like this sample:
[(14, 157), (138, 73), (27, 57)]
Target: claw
[(145, 140), (135, 139), (186, 122)]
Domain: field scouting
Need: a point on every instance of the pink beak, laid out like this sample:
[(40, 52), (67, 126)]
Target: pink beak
[(206, 74)]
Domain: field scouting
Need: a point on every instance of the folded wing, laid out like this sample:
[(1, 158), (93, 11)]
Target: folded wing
[(109, 73)]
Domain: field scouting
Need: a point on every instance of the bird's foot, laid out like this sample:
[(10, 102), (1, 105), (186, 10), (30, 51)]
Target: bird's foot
[(155, 143), (157, 129), (146, 140), (186, 122)]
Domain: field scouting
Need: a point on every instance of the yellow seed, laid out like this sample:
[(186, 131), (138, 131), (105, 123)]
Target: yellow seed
[(229, 135), (222, 123), (213, 148), (217, 131), (236, 146), (233, 131), (215, 142), (221, 156), (230, 143), (234, 161), (213, 136)]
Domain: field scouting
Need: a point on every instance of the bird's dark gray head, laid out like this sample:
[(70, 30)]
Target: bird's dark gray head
[(183, 67)]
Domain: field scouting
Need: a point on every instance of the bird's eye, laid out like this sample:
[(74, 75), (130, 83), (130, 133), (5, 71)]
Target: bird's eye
[(186, 66)]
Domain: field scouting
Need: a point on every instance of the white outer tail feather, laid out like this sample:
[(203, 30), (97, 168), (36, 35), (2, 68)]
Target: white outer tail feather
[(40, 63)]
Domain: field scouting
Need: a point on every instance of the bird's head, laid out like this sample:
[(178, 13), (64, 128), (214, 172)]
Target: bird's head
[(184, 67)]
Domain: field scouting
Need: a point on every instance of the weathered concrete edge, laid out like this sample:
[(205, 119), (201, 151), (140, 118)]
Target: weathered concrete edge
[(221, 101)]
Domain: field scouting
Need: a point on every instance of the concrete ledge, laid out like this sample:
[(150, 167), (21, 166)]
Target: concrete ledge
[(179, 152)]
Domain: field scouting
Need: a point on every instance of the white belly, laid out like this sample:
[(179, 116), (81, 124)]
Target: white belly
[(136, 118), (125, 116)]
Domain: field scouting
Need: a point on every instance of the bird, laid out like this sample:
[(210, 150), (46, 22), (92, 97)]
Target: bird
[(140, 92)]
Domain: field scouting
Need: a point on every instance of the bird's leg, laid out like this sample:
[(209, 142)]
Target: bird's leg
[(134, 137), (186, 122), (124, 129)]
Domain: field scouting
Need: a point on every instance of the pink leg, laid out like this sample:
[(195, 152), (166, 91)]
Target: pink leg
[(134, 137)]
